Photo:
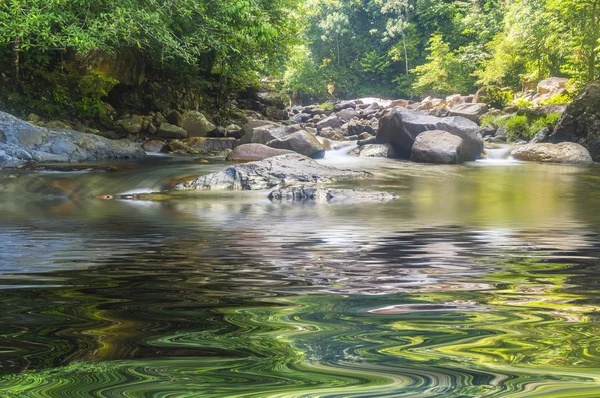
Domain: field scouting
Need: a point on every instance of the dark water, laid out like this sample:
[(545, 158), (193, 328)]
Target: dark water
[(482, 281)]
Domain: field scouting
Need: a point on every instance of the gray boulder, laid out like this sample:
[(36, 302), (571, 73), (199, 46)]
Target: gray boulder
[(437, 147), (301, 142), (400, 127), (472, 112), (319, 194), (565, 152), (168, 130), (266, 133), (347, 114), (331, 121), (196, 124), (22, 142), (271, 172), (254, 152)]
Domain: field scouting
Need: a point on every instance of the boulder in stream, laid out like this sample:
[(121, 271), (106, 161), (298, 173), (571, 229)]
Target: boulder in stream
[(254, 152), (301, 142), (400, 127), (271, 172), (438, 147), (22, 142), (565, 152)]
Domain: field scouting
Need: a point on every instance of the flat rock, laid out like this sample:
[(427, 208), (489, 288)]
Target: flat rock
[(320, 194), (271, 172), (565, 152), (22, 142)]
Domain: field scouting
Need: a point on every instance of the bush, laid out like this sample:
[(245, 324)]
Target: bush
[(558, 100), (495, 97), (550, 121), (523, 103), (516, 126)]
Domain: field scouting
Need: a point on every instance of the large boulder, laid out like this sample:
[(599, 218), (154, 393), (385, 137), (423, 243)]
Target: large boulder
[(320, 194), (565, 152), (301, 142), (210, 144), (254, 152), (270, 173), (266, 133), (552, 85), (196, 124), (580, 122), (22, 142), (470, 111), (400, 127), (438, 147)]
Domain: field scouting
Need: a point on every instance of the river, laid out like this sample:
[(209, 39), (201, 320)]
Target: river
[(482, 280)]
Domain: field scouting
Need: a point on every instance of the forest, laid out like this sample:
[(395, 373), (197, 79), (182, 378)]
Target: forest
[(72, 58)]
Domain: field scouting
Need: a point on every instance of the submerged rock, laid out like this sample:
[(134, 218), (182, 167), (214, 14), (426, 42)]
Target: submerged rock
[(400, 127), (437, 147), (565, 152), (314, 192), (22, 142), (271, 172)]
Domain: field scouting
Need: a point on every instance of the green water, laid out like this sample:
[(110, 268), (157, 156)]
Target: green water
[(482, 281)]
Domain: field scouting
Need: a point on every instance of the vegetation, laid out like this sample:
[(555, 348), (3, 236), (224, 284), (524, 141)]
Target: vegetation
[(315, 48)]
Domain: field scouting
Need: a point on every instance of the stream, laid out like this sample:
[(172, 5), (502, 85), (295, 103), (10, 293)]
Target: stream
[(482, 280)]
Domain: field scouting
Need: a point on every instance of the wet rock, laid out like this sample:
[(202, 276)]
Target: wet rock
[(365, 136), (400, 127), (154, 146), (196, 124), (181, 148), (255, 152), (320, 194), (168, 130), (376, 151), (22, 142), (437, 147), (301, 142), (271, 172), (565, 152), (580, 122)]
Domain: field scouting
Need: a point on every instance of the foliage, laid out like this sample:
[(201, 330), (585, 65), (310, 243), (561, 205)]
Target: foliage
[(444, 73), (558, 100), (550, 121), (327, 106), (516, 127), (496, 97), (523, 103)]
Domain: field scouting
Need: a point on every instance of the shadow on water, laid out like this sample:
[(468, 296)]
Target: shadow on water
[(480, 282)]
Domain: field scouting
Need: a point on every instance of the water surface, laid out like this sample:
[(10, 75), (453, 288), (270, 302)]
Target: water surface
[(483, 280)]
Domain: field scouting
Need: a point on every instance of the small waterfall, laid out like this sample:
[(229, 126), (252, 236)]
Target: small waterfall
[(500, 154)]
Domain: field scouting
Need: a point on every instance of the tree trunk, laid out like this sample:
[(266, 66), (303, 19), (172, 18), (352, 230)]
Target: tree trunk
[(17, 58), (337, 40), (405, 53)]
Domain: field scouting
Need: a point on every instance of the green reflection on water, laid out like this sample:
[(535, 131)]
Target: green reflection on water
[(527, 337)]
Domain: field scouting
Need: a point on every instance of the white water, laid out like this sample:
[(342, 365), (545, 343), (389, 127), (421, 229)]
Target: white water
[(500, 155)]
